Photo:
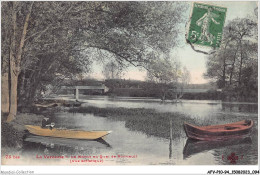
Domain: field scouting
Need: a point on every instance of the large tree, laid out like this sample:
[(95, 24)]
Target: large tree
[(60, 37), (112, 70), (18, 25), (236, 59), (165, 72), (183, 82), (39, 41)]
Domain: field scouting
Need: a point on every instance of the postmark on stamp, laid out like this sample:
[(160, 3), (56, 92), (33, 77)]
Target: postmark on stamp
[(206, 25)]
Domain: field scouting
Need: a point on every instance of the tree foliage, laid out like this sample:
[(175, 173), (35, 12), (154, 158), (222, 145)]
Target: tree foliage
[(112, 70), (46, 42), (235, 60), (169, 76)]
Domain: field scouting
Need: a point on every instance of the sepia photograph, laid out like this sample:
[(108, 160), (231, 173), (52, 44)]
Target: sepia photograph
[(119, 83)]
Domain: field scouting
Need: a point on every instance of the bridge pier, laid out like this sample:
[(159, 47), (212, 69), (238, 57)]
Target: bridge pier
[(76, 94)]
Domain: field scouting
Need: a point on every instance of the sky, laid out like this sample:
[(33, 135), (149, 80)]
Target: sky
[(195, 62)]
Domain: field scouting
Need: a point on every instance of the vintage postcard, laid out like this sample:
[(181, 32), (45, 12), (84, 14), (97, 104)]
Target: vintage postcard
[(92, 84)]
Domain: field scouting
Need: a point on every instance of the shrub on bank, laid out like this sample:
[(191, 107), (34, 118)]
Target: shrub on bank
[(12, 134)]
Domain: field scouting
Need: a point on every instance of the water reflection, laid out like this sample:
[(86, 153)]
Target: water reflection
[(60, 146), (197, 108), (66, 142), (247, 154), (193, 146), (156, 139), (170, 145), (231, 107)]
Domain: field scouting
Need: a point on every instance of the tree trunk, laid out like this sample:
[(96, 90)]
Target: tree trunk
[(21, 85), (15, 62), (233, 66), (5, 93), (5, 82), (241, 63), (20, 49), (224, 67), (163, 93), (13, 91), (163, 97), (224, 73), (13, 97)]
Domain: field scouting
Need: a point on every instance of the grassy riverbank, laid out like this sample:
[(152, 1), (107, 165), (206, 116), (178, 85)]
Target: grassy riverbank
[(12, 133)]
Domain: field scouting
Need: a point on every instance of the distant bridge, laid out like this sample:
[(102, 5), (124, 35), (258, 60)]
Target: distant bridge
[(103, 88)]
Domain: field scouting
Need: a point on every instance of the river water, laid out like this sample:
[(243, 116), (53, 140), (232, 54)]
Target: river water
[(130, 145)]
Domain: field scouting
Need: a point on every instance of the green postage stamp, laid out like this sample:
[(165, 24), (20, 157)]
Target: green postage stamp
[(206, 25)]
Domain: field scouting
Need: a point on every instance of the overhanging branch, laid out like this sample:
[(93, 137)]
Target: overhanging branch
[(199, 51)]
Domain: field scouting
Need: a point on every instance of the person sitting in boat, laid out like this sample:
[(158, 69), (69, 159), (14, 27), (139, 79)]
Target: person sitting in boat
[(47, 123)]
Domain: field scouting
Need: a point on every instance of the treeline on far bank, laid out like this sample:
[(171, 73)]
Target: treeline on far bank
[(135, 88), (209, 95), (206, 91)]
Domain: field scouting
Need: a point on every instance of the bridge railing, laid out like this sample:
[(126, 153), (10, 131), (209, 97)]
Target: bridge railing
[(103, 87)]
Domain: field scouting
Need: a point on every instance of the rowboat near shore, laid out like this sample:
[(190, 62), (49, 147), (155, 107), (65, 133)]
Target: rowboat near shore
[(219, 132), (66, 133)]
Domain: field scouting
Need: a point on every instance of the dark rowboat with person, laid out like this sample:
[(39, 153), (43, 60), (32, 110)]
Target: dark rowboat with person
[(219, 132)]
